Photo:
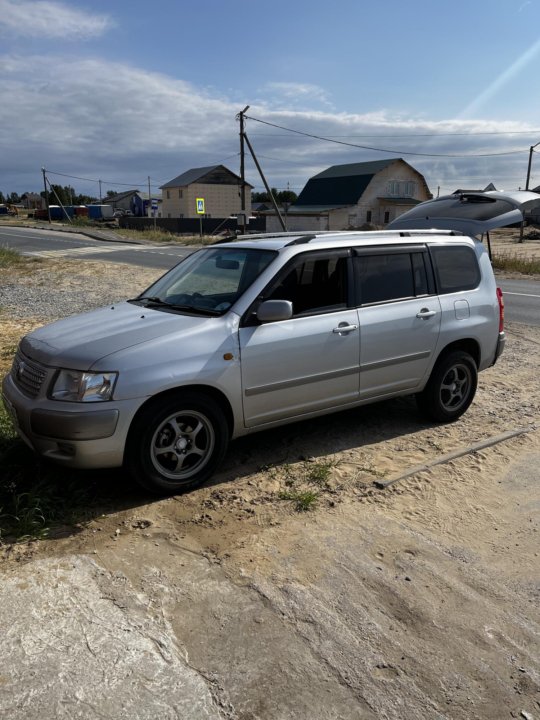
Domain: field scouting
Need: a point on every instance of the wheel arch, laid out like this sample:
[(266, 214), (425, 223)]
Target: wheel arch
[(468, 345), (219, 397)]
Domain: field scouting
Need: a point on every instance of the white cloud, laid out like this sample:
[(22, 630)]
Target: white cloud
[(295, 93), (49, 19), (101, 120)]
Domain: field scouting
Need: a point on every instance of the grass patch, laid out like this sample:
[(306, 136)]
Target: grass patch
[(10, 258), (319, 473), (299, 480), (162, 236), (515, 263), (36, 497), (303, 501), (7, 352)]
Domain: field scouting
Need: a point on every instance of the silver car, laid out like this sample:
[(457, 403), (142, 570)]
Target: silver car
[(247, 335)]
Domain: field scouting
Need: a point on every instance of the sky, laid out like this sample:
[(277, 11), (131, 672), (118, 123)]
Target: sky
[(121, 91)]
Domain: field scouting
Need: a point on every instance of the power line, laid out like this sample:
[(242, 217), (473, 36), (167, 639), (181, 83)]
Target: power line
[(375, 149), (409, 135), (105, 182), (136, 184)]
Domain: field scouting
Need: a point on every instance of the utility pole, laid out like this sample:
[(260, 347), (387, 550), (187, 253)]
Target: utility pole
[(151, 212), (268, 190), (531, 150), (244, 139), (46, 194), (100, 198), (240, 117)]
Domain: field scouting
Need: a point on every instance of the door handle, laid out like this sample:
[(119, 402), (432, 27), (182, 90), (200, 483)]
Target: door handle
[(425, 313), (344, 328)]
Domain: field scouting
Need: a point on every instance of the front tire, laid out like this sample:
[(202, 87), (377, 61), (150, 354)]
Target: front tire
[(450, 389), (176, 442)]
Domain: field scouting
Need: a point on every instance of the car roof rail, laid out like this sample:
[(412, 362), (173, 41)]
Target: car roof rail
[(301, 240), (268, 236), (427, 231), (304, 237)]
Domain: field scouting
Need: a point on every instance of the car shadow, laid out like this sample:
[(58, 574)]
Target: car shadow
[(38, 499)]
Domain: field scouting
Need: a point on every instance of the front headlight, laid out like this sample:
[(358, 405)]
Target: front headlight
[(78, 386)]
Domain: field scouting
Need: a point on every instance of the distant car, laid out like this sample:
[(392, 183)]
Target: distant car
[(119, 213)]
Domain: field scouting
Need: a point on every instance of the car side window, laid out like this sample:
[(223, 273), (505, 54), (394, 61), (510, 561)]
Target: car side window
[(421, 285), (385, 277), (456, 268), (315, 284)]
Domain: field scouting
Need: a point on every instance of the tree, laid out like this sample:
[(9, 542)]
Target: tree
[(281, 196), (2, 198), (13, 198), (66, 195), (287, 196), (59, 195)]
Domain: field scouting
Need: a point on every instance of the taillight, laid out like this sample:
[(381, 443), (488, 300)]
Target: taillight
[(500, 300)]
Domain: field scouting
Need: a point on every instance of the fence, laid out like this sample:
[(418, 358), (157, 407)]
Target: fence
[(190, 226)]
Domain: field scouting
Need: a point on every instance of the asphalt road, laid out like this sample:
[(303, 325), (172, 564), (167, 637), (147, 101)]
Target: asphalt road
[(50, 244), (522, 300), (522, 297)]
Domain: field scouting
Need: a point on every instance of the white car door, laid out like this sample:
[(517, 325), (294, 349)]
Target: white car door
[(400, 319), (310, 362)]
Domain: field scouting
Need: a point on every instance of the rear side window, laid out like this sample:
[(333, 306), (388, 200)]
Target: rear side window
[(456, 268), (384, 277)]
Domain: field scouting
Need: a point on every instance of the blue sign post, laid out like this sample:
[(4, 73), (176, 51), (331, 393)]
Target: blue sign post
[(200, 212)]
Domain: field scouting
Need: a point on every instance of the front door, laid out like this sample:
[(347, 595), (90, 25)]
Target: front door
[(310, 362)]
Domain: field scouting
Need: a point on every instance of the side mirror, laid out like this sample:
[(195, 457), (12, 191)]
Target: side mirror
[(275, 310)]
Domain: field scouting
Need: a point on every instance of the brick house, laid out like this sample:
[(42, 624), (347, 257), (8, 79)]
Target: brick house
[(217, 185)]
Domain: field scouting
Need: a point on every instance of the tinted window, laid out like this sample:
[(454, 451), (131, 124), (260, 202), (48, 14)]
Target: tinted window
[(384, 277), (419, 274), (316, 284), (456, 268)]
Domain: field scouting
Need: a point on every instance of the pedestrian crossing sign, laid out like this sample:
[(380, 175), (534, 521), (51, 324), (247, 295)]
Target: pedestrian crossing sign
[(200, 206)]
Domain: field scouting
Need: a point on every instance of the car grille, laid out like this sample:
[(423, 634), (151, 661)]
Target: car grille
[(27, 375)]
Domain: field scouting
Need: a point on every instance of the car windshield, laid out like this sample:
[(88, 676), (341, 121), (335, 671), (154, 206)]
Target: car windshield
[(208, 281)]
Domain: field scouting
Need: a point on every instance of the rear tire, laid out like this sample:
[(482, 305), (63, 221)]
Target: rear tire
[(176, 442), (450, 389)]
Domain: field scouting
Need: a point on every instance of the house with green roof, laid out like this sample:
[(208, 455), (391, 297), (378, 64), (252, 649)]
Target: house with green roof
[(357, 195), (218, 186)]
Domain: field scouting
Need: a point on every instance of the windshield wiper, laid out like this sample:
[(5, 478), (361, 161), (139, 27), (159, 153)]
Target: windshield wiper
[(153, 301), (150, 300), (194, 308)]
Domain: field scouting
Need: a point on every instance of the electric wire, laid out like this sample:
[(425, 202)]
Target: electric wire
[(376, 149)]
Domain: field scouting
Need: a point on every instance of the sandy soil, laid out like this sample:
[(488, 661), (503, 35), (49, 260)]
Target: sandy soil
[(422, 598)]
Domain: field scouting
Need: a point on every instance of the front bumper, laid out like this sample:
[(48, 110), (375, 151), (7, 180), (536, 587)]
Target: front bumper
[(78, 435)]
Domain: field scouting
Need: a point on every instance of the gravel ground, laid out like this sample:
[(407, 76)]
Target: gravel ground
[(52, 290)]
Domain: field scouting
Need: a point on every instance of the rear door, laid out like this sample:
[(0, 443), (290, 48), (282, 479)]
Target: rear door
[(400, 318)]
